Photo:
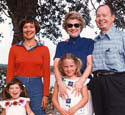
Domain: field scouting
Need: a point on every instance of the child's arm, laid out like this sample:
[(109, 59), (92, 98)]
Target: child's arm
[(62, 111), (3, 112), (81, 103), (62, 87), (28, 109)]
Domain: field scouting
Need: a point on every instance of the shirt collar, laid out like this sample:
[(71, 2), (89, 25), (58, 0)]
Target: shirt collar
[(109, 34), (21, 43), (74, 39)]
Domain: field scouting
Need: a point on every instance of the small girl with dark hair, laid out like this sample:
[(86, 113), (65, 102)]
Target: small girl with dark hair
[(69, 67), (15, 100)]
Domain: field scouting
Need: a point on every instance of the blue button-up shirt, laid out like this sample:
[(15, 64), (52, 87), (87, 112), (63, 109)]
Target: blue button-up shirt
[(109, 51), (30, 49)]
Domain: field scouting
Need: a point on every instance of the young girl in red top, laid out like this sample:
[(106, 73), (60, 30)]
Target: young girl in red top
[(29, 61)]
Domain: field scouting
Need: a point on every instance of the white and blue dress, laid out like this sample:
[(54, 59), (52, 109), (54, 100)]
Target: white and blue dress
[(73, 100)]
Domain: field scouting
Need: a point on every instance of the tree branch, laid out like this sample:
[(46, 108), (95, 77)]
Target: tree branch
[(92, 4), (5, 13)]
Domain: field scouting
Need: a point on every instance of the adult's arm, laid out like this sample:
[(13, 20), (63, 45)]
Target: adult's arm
[(79, 84), (56, 71), (11, 64), (62, 87), (46, 77), (46, 71)]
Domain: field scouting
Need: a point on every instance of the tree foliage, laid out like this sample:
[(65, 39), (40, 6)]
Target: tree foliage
[(50, 14), (16, 10)]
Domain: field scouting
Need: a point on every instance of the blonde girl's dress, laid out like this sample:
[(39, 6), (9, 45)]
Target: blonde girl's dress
[(15, 107), (73, 100)]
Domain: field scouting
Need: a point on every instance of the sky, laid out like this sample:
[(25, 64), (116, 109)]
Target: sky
[(5, 42)]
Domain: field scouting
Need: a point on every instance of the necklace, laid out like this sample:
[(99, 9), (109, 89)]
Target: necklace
[(29, 45)]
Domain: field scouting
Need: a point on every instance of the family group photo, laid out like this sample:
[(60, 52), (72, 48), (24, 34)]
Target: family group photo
[(62, 57)]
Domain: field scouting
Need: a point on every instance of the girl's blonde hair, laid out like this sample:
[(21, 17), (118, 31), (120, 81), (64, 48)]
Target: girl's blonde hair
[(76, 60), (74, 15), (5, 91)]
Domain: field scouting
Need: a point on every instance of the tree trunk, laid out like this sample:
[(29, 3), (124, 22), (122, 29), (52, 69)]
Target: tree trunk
[(17, 36)]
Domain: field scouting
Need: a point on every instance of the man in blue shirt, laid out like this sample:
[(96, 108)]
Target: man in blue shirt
[(108, 85)]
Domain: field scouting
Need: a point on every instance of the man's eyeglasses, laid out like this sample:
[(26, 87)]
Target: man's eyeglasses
[(76, 25)]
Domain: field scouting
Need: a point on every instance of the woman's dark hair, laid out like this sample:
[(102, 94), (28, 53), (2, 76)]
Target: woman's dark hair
[(76, 60), (29, 19), (5, 92)]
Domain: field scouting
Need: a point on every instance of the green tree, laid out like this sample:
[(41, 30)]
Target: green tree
[(16, 10), (51, 12)]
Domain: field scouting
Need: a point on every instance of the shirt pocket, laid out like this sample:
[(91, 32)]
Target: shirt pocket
[(112, 55)]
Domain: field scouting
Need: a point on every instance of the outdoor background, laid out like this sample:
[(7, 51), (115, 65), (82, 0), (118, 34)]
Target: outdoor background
[(50, 14), (6, 28)]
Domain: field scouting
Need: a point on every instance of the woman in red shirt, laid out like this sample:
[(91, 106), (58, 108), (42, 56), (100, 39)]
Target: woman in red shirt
[(29, 61)]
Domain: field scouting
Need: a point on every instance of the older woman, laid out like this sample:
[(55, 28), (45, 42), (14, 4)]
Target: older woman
[(80, 47), (29, 61)]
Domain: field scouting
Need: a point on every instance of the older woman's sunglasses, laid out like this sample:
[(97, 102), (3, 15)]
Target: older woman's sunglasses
[(76, 25)]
